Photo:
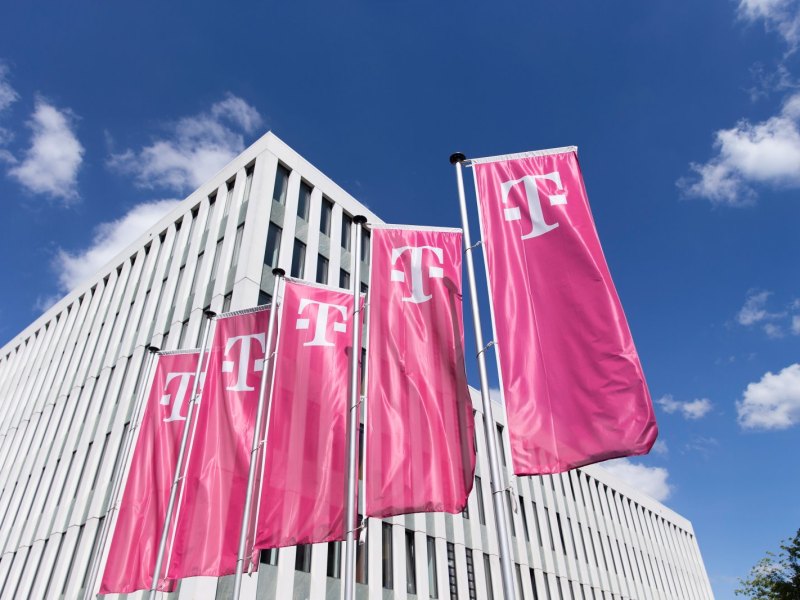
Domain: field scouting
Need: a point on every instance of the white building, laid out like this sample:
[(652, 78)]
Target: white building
[(68, 382)]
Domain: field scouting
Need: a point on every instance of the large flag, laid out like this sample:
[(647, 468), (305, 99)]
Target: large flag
[(209, 516), (420, 443), (132, 556), (303, 493), (571, 378)]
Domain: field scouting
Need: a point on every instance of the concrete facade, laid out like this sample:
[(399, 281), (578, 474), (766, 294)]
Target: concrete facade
[(68, 384)]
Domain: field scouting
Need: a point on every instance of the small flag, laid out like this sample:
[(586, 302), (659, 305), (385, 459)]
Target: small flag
[(572, 382), (303, 494), (420, 440), (209, 516), (132, 556)]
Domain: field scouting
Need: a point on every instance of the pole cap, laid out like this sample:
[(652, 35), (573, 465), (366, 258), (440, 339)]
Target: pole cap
[(210, 314), (359, 219), (278, 272), (153, 349), (457, 157)]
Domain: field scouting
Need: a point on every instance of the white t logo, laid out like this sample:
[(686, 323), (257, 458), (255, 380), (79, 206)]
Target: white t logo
[(539, 226), (321, 326), (244, 359), (418, 294), (184, 379)]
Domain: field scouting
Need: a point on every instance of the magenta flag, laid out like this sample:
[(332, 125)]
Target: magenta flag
[(210, 512), (303, 495), (572, 381), (420, 442), (132, 556)]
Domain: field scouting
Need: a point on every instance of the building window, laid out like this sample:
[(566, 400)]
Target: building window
[(519, 580), (365, 245), (304, 201), (347, 228), (281, 185), (264, 298), (226, 302), (549, 529), (487, 569), (507, 496), (248, 184), (411, 566), (325, 217), (322, 269), (500, 445), (269, 557), (344, 279), (473, 592), (524, 518), (335, 559), (302, 561), (228, 197), (479, 498), (298, 258), (536, 524), (533, 585), (273, 245), (387, 556), (451, 571), (433, 580)]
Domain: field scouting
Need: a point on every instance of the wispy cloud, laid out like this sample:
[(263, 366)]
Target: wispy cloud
[(764, 153), (194, 149), (8, 96), (781, 16), (51, 163), (701, 445), (693, 410), (775, 323), (773, 402), (660, 447), (649, 480), (109, 239)]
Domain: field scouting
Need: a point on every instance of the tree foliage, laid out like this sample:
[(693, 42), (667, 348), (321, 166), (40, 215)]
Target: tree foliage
[(776, 576)]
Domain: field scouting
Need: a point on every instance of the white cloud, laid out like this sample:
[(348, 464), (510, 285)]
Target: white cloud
[(7, 93), (773, 402), (782, 16), (796, 324), (195, 149), (773, 331), (51, 164), (109, 239), (696, 409), (660, 447), (754, 309), (650, 480), (765, 153)]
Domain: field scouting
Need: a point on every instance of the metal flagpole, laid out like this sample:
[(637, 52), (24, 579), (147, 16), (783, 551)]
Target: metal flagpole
[(116, 485), (162, 545), (351, 509), (262, 394), (500, 513)]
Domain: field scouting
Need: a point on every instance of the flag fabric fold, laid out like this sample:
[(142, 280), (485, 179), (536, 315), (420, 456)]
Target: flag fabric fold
[(572, 381), (420, 426), (209, 516), (134, 545), (303, 492)]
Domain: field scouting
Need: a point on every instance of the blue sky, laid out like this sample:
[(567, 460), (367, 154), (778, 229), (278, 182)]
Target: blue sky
[(686, 114)]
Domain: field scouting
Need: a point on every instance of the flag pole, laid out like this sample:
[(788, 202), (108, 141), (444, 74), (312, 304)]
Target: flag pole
[(498, 490), (351, 508), (162, 545), (262, 395), (116, 485)]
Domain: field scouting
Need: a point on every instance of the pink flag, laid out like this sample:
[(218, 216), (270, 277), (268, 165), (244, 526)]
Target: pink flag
[(132, 556), (210, 513), (572, 381), (303, 496), (420, 443)]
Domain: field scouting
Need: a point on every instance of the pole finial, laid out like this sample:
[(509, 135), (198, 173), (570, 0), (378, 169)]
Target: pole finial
[(153, 349), (278, 272), (210, 314), (457, 157), (359, 219)]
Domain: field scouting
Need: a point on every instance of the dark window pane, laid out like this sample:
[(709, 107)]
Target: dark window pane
[(281, 185), (411, 567), (433, 580), (344, 279), (322, 269), (273, 245), (304, 201), (298, 258), (386, 553), (326, 216), (347, 227)]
